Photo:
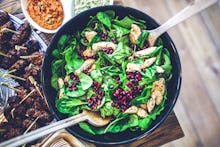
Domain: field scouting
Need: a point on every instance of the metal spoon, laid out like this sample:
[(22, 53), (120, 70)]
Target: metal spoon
[(92, 118), (195, 7)]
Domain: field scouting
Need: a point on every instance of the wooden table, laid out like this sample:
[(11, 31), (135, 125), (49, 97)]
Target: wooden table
[(170, 130)]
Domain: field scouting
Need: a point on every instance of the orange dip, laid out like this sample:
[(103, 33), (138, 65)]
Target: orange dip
[(46, 13)]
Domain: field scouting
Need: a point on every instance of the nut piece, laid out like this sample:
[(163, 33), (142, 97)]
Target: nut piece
[(135, 33), (90, 35)]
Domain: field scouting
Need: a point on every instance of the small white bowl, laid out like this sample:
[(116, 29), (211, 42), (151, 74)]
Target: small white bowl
[(68, 8), (68, 13)]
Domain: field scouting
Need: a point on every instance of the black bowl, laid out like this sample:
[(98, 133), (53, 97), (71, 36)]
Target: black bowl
[(78, 23)]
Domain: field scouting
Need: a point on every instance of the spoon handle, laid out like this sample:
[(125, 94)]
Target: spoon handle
[(195, 7), (33, 135)]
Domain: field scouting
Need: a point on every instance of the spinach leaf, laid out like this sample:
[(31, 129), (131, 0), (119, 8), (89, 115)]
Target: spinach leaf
[(110, 13), (65, 104), (57, 67), (104, 19), (167, 64), (126, 22), (120, 31), (111, 70), (109, 110), (150, 72), (85, 80), (91, 129), (123, 123), (107, 57), (72, 62), (143, 98), (114, 126), (57, 71), (57, 53), (144, 123), (142, 39), (54, 82), (76, 93), (121, 52), (62, 42), (96, 75), (95, 39)]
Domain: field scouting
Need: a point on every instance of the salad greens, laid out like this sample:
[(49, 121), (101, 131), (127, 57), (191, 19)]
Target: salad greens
[(104, 71)]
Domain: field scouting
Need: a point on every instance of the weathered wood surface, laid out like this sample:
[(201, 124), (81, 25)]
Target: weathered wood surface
[(197, 41), (170, 130)]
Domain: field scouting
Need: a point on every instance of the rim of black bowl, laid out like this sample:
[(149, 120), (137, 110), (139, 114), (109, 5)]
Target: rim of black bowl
[(177, 86)]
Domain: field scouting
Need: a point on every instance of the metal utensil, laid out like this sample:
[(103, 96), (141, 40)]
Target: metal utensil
[(194, 7), (92, 118)]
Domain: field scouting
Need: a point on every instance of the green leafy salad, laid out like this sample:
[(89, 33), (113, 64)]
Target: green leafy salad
[(109, 68)]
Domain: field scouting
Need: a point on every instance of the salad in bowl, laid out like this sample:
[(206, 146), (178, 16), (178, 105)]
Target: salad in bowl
[(100, 61), (108, 67)]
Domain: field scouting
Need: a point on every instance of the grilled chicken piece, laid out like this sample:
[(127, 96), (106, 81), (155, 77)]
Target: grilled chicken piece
[(85, 66), (89, 52), (4, 17), (24, 31), (145, 52), (159, 69), (97, 47), (158, 90), (135, 110), (132, 110), (90, 35), (60, 84), (131, 67), (135, 33), (151, 104), (6, 36), (142, 113)]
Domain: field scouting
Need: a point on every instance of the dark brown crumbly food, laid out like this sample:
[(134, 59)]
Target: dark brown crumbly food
[(4, 17), (4, 48), (10, 59), (19, 66), (24, 31), (6, 36), (14, 55), (23, 110)]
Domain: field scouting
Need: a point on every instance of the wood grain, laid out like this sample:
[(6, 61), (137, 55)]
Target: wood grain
[(197, 41), (170, 130)]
